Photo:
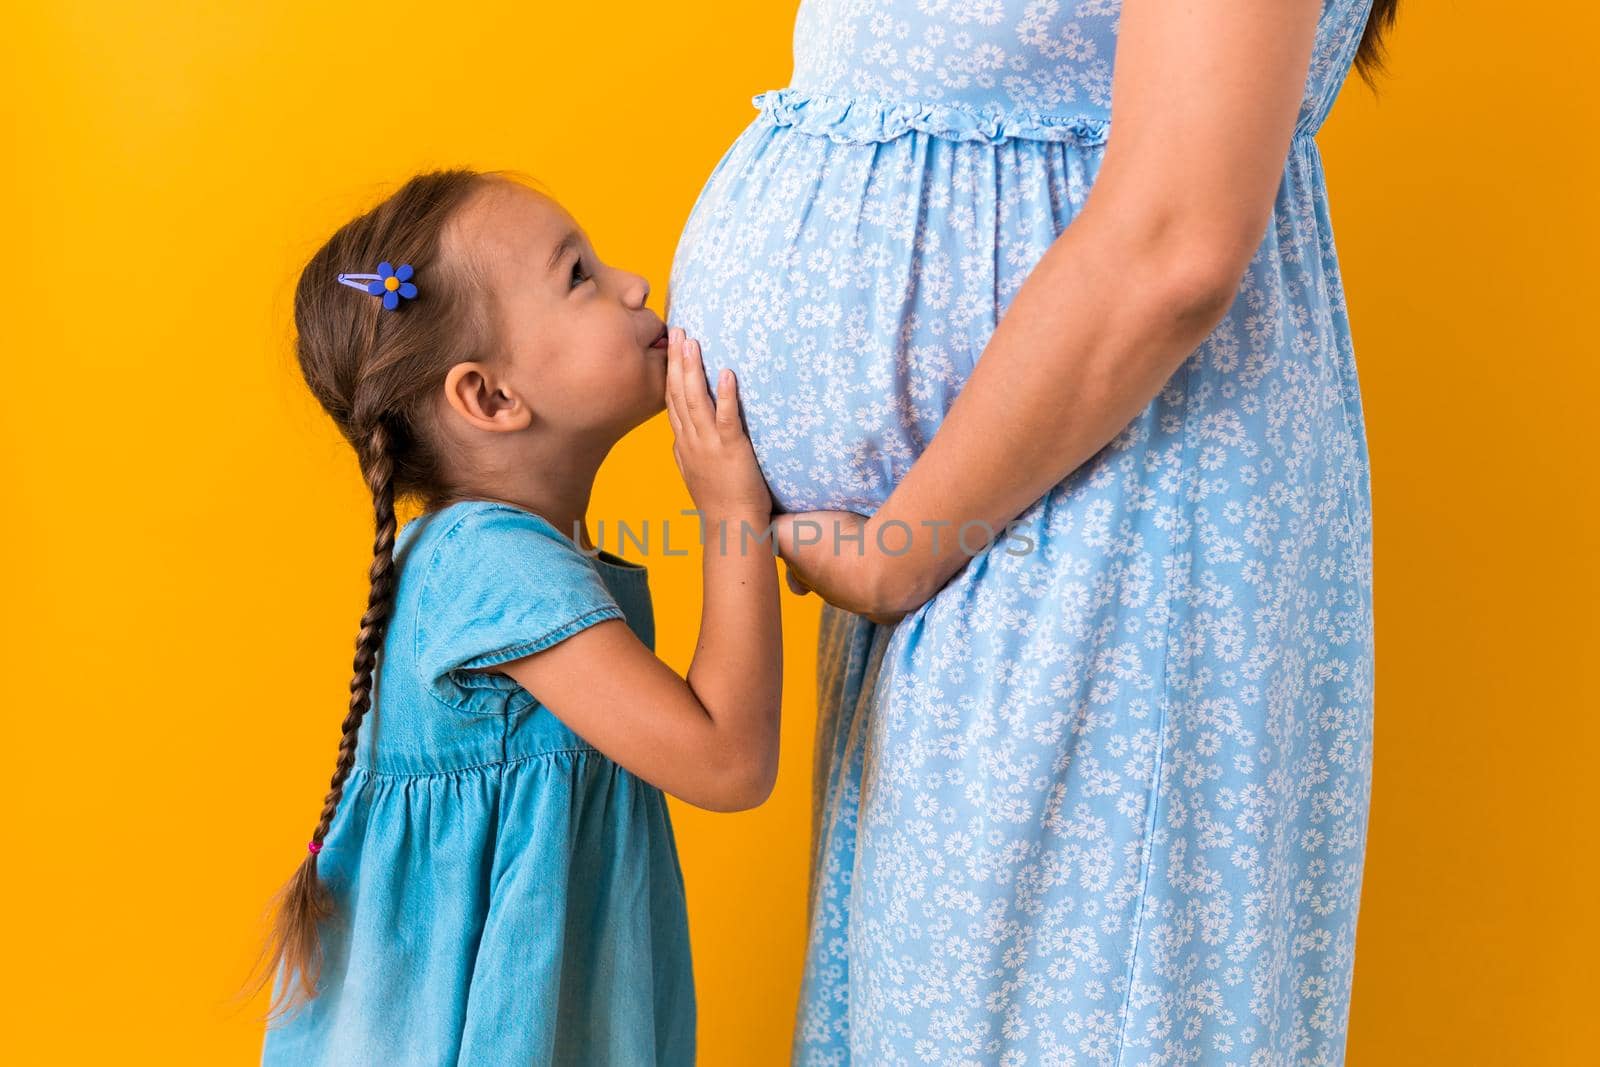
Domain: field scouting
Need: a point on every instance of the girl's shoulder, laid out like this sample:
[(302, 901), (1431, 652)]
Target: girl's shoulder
[(473, 547), (471, 534), (492, 582), (464, 521), (470, 537)]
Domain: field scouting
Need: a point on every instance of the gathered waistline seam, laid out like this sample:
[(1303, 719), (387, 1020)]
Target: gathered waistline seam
[(567, 751), (866, 120)]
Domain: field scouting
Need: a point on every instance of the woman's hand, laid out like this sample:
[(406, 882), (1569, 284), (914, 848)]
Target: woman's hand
[(827, 552)]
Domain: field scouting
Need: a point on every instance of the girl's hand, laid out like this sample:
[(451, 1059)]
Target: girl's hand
[(828, 552), (709, 443)]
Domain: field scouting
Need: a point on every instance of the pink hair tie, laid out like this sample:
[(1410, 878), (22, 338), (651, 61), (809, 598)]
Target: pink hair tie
[(314, 847)]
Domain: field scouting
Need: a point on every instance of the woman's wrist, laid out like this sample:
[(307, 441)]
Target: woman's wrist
[(910, 560), (896, 583)]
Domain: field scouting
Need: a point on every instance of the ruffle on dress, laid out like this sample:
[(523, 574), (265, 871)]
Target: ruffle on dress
[(858, 120)]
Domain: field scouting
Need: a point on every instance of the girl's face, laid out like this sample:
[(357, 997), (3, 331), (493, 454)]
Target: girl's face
[(578, 343)]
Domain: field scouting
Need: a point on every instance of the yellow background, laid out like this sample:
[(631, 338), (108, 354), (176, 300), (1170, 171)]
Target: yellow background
[(186, 539)]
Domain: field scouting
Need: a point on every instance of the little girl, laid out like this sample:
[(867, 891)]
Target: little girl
[(493, 879)]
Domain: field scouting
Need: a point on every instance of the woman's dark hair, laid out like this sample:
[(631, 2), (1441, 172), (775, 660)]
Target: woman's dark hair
[(1370, 54), (377, 373)]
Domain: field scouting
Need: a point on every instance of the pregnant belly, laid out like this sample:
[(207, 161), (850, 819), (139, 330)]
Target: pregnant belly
[(851, 287)]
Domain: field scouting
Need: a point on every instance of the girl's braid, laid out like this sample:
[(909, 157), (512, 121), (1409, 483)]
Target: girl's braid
[(378, 466), (377, 374), (305, 903)]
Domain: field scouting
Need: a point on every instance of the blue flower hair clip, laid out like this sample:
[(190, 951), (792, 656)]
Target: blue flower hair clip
[(388, 283)]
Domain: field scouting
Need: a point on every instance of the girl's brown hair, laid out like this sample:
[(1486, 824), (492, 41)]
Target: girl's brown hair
[(377, 373)]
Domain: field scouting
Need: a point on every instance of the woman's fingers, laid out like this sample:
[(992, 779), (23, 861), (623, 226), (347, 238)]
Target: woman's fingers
[(795, 584)]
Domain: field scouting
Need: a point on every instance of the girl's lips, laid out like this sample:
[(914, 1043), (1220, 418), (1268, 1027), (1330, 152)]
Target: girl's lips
[(660, 342)]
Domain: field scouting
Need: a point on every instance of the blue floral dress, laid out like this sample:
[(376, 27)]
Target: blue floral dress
[(506, 893), (1102, 800)]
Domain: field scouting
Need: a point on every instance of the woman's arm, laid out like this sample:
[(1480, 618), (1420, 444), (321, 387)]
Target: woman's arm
[(1205, 96), (712, 739)]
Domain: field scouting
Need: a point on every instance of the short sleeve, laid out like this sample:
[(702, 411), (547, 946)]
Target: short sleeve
[(502, 584)]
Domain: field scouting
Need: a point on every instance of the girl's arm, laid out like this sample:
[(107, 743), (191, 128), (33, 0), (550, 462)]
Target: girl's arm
[(1205, 97), (712, 739)]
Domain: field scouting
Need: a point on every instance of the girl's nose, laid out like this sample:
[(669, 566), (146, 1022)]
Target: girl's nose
[(638, 290)]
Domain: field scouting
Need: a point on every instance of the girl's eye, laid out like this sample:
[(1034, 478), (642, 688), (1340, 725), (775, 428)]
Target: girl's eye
[(578, 277)]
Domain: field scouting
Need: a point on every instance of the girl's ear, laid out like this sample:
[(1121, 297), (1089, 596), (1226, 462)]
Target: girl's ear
[(485, 400)]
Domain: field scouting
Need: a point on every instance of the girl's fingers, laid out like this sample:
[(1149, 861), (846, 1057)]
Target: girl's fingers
[(672, 419), (727, 401), (676, 412), (672, 366), (693, 379), (672, 402)]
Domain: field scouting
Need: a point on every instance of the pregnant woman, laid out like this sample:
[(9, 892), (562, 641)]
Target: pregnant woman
[(1100, 795)]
